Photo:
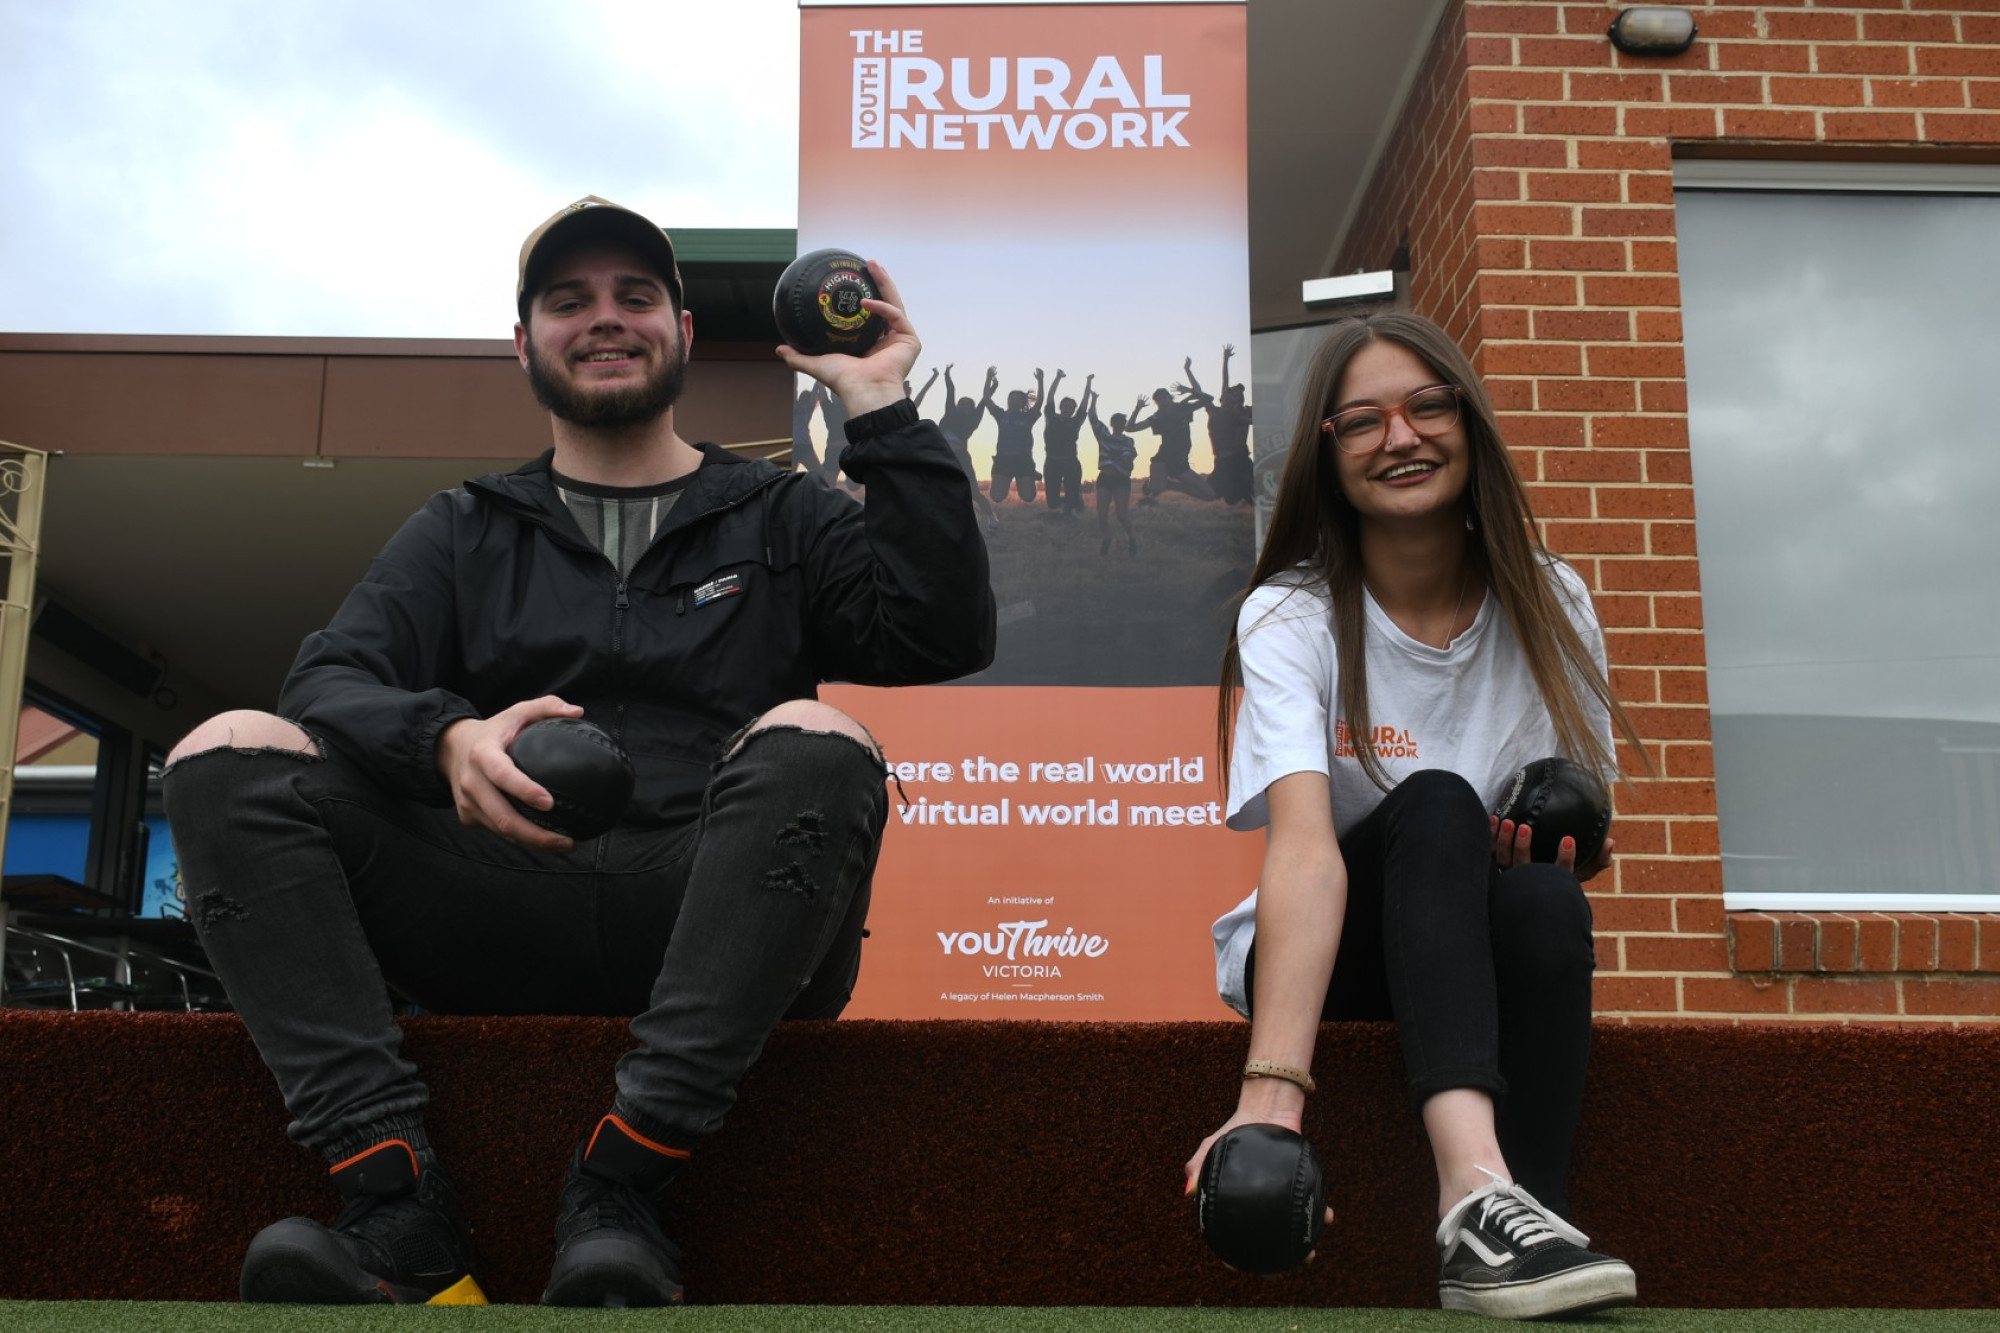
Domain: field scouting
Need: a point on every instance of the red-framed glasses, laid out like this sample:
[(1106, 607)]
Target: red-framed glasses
[(1362, 430)]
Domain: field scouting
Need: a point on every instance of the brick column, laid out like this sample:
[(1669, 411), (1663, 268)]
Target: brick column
[(1531, 176)]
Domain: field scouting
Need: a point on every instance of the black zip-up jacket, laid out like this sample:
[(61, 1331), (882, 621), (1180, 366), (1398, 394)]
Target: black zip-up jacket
[(760, 584)]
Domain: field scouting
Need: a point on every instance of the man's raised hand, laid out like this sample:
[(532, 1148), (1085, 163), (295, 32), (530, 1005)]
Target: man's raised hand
[(865, 383)]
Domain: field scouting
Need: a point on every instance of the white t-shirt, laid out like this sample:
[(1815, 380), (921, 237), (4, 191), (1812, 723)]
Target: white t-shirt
[(1471, 708)]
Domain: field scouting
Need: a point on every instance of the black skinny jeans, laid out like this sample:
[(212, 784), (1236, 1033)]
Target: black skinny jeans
[(317, 894), (1485, 972)]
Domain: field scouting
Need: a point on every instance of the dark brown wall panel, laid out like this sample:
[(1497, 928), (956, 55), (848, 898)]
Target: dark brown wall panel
[(149, 403), (735, 401), (434, 407), (116, 400)]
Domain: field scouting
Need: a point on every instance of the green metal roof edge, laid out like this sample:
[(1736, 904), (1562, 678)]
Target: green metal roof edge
[(735, 245)]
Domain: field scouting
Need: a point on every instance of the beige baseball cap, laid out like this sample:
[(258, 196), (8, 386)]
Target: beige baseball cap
[(588, 218)]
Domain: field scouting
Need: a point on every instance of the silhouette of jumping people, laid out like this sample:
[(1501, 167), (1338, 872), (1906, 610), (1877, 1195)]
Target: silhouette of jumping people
[(834, 414), (1228, 433), (1014, 454), (1116, 452), (1061, 467), (804, 453), (917, 398), (960, 418), (1169, 469)]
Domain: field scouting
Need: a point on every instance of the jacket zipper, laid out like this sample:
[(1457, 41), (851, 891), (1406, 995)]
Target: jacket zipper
[(620, 605), (622, 602)]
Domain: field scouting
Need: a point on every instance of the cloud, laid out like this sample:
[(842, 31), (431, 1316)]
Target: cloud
[(363, 168)]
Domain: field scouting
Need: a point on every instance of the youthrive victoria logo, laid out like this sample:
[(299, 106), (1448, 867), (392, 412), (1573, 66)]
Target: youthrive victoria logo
[(1023, 948), (907, 98)]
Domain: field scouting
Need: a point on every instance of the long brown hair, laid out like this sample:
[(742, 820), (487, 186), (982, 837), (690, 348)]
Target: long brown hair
[(1316, 531)]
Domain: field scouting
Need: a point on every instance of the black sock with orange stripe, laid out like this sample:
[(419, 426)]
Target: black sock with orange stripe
[(654, 1130), (388, 1170), (630, 1150), (408, 1127)]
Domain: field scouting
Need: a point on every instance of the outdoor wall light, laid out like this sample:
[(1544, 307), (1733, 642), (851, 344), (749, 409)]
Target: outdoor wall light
[(1355, 286), (1653, 30)]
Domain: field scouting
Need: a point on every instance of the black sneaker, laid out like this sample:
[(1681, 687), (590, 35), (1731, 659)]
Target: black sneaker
[(1507, 1256), (610, 1246), (401, 1240)]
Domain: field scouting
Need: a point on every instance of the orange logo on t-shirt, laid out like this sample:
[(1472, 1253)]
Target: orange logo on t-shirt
[(1386, 742)]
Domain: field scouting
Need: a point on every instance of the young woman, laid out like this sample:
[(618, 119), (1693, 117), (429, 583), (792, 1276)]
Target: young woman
[(1406, 645)]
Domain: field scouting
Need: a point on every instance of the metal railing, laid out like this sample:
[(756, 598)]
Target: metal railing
[(29, 949)]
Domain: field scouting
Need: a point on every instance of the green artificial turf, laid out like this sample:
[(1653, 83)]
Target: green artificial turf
[(172, 1317)]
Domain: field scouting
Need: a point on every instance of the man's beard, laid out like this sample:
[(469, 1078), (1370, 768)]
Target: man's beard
[(608, 408)]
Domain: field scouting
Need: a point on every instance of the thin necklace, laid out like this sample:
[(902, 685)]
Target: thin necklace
[(1464, 582)]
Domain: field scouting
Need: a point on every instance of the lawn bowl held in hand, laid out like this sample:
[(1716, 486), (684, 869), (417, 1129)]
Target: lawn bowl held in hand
[(1261, 1199), (1557, 799), (582, 766), (818, 304)]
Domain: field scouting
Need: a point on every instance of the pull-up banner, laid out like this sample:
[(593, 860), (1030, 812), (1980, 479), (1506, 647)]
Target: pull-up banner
[(1059, 191)]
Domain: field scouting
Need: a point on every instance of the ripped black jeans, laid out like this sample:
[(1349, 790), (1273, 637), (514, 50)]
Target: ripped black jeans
[(317, 894)]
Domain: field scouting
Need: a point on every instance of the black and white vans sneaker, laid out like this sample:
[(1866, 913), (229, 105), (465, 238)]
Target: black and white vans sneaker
[(1505, 1255)]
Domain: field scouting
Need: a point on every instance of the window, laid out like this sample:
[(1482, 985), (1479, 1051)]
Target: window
[(1279, 360), (1842, 374), (86, 823)]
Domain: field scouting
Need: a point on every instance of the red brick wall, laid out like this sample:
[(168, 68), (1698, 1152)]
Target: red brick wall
[(1431, 206), (1532, 176)]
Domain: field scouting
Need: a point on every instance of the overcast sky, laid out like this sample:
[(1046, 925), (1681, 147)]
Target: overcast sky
[(363, 167)]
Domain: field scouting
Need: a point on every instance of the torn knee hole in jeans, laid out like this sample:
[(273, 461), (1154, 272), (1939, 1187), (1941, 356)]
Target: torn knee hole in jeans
[(808, 830), (792, 878), (316, 754), (736, 744), (215, 906)]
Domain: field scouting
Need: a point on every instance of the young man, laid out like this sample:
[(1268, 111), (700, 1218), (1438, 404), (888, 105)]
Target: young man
[(1064, 470), (1116, 452), (1170, 469), (1014, 450), (961, 417), (1228, 433), (362, 843)]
